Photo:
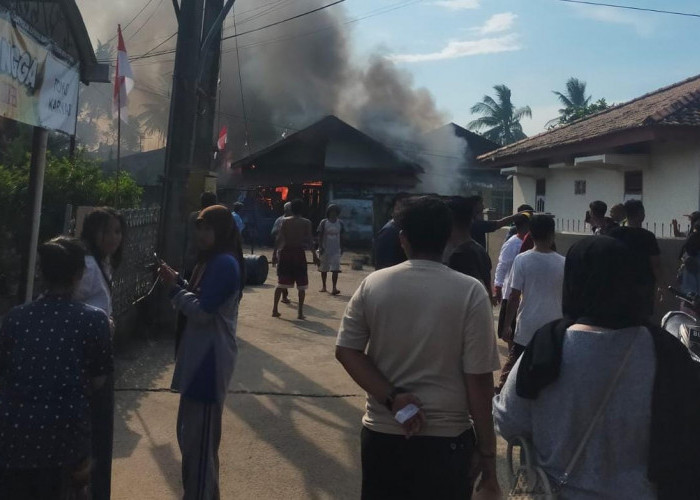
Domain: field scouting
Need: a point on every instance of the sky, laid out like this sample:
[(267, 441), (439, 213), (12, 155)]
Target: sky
[(460, 49)]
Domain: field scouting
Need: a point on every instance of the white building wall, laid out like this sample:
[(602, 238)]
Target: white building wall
[(601, 184), (672, 183), (671, 187), (523, 191)]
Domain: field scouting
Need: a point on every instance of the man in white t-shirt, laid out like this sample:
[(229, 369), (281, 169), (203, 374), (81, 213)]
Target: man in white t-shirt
[(536, 285), (421, 334)]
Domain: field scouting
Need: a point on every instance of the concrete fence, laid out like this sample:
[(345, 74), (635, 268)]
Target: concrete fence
[(670, 253)]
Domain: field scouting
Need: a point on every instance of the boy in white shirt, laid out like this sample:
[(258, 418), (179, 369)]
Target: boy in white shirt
[(536, 290)]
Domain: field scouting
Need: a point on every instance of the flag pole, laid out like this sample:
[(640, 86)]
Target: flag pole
[(119, 146)]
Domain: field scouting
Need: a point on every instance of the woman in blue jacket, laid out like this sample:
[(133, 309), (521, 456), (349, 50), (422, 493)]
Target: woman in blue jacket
[(206, 353)]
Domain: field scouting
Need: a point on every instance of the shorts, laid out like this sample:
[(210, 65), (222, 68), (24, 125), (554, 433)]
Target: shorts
[(292, 269), (329, 262)]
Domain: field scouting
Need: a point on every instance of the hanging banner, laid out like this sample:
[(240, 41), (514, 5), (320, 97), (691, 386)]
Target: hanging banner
[(36, 87)]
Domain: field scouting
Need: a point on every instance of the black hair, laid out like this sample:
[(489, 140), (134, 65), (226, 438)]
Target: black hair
[(207, 199), (426, 222), (462, 210), (521, 223), (634, 208), (525, 208), (297, 206), (237, 206), (95, 222), (598, 208), (398, 198), (692, 244), (332, 208), (62, 260), (541, 227)]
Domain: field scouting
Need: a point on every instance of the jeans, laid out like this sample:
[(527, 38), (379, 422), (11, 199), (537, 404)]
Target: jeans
[(422, 467)]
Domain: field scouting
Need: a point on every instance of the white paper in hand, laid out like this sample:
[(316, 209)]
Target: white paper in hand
[(406, 413)]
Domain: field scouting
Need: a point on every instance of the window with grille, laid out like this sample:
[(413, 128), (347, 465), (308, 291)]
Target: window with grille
[(579, 187), (540, 192), (634, 184)]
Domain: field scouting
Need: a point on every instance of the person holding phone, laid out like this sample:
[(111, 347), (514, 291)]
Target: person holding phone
[(207, 350), (418, 338)]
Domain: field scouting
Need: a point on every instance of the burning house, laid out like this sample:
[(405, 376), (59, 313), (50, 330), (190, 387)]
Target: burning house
[(331, 161), (327, 161)]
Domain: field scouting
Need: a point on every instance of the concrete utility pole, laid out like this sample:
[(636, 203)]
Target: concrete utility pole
[(190, 133)]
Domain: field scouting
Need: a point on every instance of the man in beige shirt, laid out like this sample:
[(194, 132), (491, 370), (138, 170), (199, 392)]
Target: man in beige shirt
[(422, 334)]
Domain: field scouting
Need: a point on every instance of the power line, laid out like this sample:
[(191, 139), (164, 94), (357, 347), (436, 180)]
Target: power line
[(283, 20), (373, 13), (630, 7), (151, 52), (129, 23), (146, 21)]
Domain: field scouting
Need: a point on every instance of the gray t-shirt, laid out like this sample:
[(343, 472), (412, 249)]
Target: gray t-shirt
[(614, 463), (424, 326)]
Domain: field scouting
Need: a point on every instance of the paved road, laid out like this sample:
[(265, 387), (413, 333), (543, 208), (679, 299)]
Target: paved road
[(292, 418)]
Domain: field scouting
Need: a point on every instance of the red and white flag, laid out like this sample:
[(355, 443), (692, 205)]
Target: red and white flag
[(223, 138), (123, 80)]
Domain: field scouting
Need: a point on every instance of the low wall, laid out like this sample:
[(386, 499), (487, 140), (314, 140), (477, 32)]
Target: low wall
[(670, 251)]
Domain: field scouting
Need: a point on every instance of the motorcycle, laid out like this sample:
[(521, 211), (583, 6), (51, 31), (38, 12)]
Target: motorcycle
[(684, 325)]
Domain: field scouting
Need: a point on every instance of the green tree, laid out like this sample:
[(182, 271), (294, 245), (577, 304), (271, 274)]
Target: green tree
[(501, 117), (154, 118), (576, 103), (77, 181)]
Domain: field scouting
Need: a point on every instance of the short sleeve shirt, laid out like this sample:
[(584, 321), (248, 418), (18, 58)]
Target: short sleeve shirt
[(540, 278), (49, 352), (480, 228), (424, 326), (471, 259)]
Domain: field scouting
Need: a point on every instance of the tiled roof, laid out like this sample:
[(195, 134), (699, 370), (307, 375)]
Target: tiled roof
[(677, 104)]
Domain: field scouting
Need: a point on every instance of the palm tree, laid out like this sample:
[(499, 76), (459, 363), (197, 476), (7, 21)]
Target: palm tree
[(574, 100), (501, 117), (154, 118), (575, 95)]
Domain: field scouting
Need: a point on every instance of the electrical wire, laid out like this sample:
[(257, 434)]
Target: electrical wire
[(129, 23), (150, 16), (151, 52), (284, 20), (630, 7), (240, 85)]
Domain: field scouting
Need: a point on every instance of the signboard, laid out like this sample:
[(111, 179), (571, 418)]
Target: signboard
[(36, 87)]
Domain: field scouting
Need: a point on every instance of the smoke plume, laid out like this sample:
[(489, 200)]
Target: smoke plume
[(295, 73)]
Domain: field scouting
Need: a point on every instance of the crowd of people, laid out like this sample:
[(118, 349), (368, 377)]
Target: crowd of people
[(601, 397), (417, 335)]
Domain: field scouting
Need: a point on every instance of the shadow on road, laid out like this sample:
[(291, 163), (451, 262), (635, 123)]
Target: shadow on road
[(276, 420), (139, 366)]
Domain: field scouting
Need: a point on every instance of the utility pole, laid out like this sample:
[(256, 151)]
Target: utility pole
[(187, 160)]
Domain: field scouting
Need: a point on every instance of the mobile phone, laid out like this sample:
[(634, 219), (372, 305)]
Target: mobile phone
[(406, 413)]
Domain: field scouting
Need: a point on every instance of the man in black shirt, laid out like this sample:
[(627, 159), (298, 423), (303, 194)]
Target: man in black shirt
[(480, 226), (467, 256), (387, 247), (645, 250)]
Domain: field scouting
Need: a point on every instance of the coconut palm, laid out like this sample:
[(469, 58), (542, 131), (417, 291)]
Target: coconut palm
[(154, 118), (501, 118), (576, 103), (575, 95)]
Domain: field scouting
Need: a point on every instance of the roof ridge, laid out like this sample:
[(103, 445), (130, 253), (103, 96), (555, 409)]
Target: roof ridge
[(685, 99), (677, 105)]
